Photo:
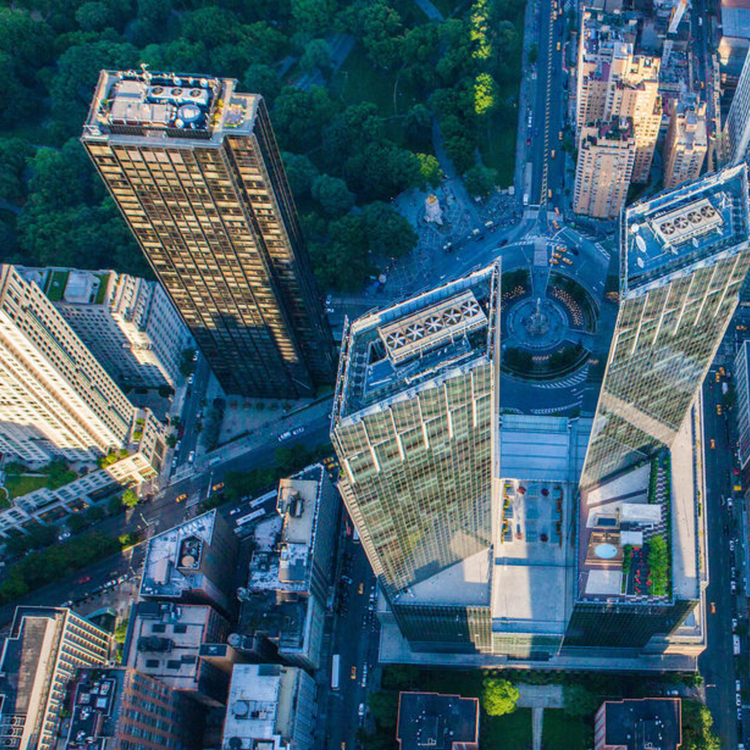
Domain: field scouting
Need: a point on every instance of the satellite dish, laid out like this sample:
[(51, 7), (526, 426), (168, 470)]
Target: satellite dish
[(641, 243), (634, 228)]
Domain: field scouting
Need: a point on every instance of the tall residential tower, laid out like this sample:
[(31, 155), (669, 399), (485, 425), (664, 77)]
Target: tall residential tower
[(414, 418), (194, 167)]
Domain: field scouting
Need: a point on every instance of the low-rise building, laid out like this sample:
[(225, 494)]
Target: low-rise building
[(636, 724), (192, 563), (440, 722), (42, 652), (290, 572), (164, 642), (270, 707), (118, 708)]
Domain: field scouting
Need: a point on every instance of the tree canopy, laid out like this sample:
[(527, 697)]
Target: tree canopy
[(499, 696)]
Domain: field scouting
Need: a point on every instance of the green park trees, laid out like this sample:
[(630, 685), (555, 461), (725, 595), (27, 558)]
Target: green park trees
[(499, 696)]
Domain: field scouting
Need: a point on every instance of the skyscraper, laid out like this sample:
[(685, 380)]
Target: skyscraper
[(687, 142), (684, 257), (738, 119), (194, 168), (641, 552), (414, 418), (40, 655), (606, 157), (56, 398)]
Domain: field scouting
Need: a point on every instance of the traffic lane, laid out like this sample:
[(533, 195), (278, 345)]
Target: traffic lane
[(720, 696), (80, 585)]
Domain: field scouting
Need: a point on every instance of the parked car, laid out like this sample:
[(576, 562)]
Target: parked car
[(298, 431)]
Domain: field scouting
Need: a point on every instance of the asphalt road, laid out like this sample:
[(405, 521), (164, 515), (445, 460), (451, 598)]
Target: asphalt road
[(717, 664), (545, 152), (355, 639)]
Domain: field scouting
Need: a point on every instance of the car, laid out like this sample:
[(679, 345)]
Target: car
[(364, 676), (713, 443), (737, 699), (298, 431), (353, 673), (346, 579), (181, 497), (503, 242), (235, 511), (330, 310), (361, 588), (199, 415), (558, 46), (63, 535), (737, 685), (83, 580), (718, 409), (741, 328), (284, 436), (568, 261), (722, 371), (574, 250), (343, 746), (560, 135), (191, 457), (218, 486), (361, 710), (713, 608), (552, 153), (733, 586), (731, 545), (191, 379), (195, 356), (739, 708), (528, 141), (67, 603), (718, 378), (174, 462)]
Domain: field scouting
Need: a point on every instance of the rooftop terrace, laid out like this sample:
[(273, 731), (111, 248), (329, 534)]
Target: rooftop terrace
[(394, 350), (138, 103), (678, 229)]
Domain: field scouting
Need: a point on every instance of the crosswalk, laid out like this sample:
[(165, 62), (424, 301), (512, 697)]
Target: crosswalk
[(575, 379)]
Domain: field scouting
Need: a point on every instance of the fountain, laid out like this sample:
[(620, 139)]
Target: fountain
[(537, 324)]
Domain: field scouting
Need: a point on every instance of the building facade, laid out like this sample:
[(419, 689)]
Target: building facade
[(738, 119), (684, 260), (56, 399), (687, 142), (118, 708), (127, 323), (42, 652), (742, 389), (414, 417), (606, 158), (193, 165)]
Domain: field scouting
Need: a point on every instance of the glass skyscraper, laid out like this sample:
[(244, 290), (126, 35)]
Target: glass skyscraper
[(194, 168), (415, 417), (684, 257)]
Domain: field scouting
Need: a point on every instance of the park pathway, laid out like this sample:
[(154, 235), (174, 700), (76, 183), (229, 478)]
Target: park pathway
[(537, 698)]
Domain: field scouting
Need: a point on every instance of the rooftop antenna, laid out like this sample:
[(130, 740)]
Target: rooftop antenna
[(147, 76)]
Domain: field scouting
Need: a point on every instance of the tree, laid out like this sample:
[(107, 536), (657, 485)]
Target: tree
[(299, 116), (95, 513), (129, 498), (341, 261), (332, 194), (114, 506), (381, 32), (533, 53), (658, 564), (578, 701), (430, 173), (499, 697), (121, 631), (14, 153), (696, 727), (388, 232), (383, 706), (381, 171), (262, 79), (480, 181), (300, 172), (93, 16), (313, 16), (417, 123), (171, 440), (317, 55), (76, 523), (485, 94)]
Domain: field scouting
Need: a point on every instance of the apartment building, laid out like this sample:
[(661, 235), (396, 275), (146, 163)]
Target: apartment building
[(687, 141)]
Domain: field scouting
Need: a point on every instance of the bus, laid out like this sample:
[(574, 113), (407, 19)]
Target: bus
[(250, 517), (262, 499), (335, 671), (355, 536)]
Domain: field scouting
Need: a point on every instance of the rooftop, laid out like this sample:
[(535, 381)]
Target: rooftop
[(165, 640), (437, 722), (389, 352), (644, 723), (173, 558), (94, 720), (184, 108), (287, 566), (258, 697), (677, 230)]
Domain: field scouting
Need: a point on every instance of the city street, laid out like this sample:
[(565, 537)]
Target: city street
[(717, 663)]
